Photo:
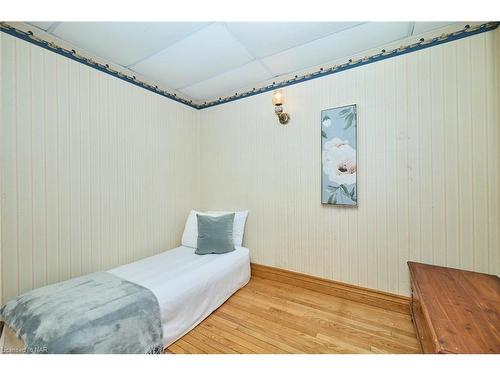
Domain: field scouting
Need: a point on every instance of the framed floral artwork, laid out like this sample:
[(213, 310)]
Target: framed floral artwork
[(339, 156)]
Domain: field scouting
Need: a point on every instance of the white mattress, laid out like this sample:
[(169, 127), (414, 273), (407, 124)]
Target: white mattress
[(188, 287)]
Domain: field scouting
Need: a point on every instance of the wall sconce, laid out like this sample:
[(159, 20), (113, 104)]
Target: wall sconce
[(278, 108)]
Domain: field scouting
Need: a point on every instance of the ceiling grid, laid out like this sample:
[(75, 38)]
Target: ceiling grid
[(208, 60)]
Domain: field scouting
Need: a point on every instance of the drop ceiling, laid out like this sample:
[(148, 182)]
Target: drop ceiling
[(205, 60)]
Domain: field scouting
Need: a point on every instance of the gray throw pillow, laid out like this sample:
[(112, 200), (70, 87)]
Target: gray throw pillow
[(215, 234)]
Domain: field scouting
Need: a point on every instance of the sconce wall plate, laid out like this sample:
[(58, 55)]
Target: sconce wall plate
[(283, 117)]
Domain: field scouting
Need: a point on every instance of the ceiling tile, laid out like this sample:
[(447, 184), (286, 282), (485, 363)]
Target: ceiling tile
[(423, 27), (125, 43), (206, 60), (228, 83), (207, 53), (42, 25), (342, 44), (268, 38)]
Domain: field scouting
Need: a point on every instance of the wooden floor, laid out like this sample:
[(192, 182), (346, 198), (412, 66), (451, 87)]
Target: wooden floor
[(267, 316)]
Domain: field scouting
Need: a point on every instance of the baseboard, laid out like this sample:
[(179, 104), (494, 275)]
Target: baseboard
[(388, 301)]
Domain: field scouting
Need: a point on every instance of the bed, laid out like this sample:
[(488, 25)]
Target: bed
[(187, 287)]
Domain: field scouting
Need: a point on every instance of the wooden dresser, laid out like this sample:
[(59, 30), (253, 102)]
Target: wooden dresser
[(455, 311)]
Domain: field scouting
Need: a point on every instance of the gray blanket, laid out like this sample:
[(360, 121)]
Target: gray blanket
[(97, 313)]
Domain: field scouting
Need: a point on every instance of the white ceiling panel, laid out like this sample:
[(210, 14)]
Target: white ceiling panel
[(335, 46), (125, 43), (267, 38), (207, 53), (205, 60), (42, 25), (423, 27), (228, 83)]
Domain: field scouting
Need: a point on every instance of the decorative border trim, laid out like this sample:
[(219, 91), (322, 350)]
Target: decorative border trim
[(383, 55)]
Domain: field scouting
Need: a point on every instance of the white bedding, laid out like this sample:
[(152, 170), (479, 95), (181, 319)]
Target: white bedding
[(188, 287)]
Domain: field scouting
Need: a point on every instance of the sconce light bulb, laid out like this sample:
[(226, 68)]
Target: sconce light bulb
[(277, 98)]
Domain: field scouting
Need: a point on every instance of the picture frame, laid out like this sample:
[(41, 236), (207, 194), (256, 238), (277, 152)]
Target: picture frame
[(339, 156)]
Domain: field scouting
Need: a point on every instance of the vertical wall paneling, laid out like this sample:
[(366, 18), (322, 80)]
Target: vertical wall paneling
[(425, 135), (1, 166), (465, 155), (428, 168), (75, 183), (479, 144), (63, 167), (85, 171), (9, 172), (51, 168), (493, 136), (38, 166), (402, 174), (438, 138), (390, 135), (380, 176), (414, 160), (95, 172), (451, 152), (24, 166)]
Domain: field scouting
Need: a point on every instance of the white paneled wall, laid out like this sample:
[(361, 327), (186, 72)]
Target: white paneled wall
[(428, 174), (1, 166), (95, 172)]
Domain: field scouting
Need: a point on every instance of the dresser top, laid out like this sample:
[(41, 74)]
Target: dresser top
[(462, 307)]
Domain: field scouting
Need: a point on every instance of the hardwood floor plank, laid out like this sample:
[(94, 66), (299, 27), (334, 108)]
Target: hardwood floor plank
[(188, 348), (175, 349), (221, 339), (228, 334), (201, 345), (235, 329), (327, 309), (377, 298), (296, 336), (270, 316), (337, 305), (263, 298), (308, 329), (259, 334), (263, 333), (213, 343)]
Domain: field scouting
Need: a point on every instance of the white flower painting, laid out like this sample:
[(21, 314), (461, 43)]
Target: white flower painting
[(339, 162)]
